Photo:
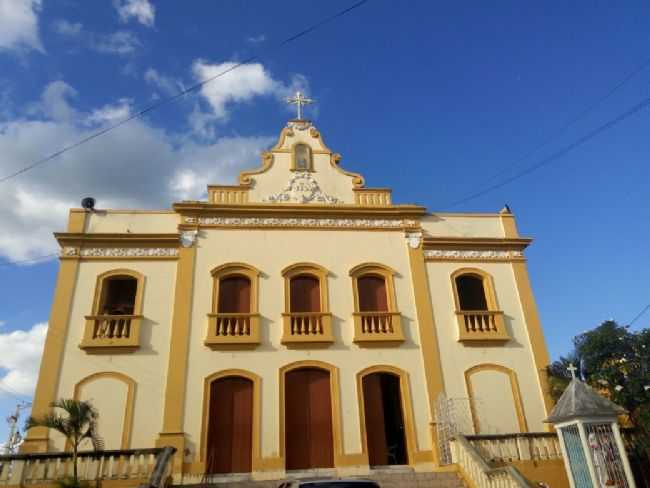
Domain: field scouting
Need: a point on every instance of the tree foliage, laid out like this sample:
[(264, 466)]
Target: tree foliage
[(616, 362), (78, 423)]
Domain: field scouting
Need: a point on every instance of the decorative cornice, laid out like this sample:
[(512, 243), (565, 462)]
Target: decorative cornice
[(472, 255), (480, 243), (129, 252), (293, 222), (302, 188), (116, 239)]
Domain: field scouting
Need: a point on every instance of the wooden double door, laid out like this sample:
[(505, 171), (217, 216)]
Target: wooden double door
[(230, 426), (308, 419)]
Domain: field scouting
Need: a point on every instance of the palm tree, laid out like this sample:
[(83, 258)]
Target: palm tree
[(78, 423)]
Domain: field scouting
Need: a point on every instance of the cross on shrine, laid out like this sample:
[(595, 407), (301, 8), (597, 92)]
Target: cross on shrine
[(299, 100), (572, 369)]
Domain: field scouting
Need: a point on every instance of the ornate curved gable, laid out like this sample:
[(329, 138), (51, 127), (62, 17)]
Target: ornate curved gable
[(301, 169)]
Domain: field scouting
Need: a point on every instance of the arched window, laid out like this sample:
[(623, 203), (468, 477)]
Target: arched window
[(471, 292), (114, 323), (376, 317), (301, 159), (118, 295), (234, 318), (306, 317), (479, 317)]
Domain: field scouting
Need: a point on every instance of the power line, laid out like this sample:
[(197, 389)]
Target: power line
[(640, 314), (557, 155), (180, 94), (571, 122)]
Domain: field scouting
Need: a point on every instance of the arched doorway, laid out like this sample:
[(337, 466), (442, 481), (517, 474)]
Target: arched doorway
[(384, 419), (308, 419), (230, 426)]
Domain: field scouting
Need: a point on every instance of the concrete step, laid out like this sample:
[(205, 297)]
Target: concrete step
[(387, 477)]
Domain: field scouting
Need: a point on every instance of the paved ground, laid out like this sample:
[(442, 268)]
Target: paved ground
[(387, 478)]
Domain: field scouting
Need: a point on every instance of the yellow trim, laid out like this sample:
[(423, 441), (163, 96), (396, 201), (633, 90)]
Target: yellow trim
[(541, 357), (256, 458), (382, 271), (127, 426), (293, 157), (509, 225), (77, 219), (284, 133), (407, 410), (428, 338), (100, 288), (357, 179), (245, 177), (315, 133), (173, 413), (514, 385), (335, 393), (50, 370)]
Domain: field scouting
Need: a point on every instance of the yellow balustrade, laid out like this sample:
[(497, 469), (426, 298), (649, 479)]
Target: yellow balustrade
[(111, 332), (481, 325), (378, 327), (232, 329), (304, 327)]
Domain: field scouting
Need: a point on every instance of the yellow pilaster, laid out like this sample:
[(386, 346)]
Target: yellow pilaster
[(172, 431), (531, 316), (428, 337), (48, 378)]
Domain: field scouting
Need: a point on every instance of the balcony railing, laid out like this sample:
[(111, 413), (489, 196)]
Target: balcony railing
[(226, 329), (378, 327), (132, 467), (314, 327), (481, 325), (112, 332)]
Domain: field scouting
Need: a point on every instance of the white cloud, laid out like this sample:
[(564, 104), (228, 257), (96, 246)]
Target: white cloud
[(256, 39), (141, 10), (135, 166), (68, 29), (20, 359), (165, 84), (120, 42), (19, 24)]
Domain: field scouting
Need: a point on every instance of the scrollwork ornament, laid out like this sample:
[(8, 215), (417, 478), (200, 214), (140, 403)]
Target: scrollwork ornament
[(414, 239)]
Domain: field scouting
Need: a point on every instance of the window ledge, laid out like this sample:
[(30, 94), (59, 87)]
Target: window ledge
[(481, 326), (111, 334), (378, 327), (233, 330)]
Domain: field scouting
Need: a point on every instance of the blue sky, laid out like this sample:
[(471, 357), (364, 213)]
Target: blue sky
[(428, 98)]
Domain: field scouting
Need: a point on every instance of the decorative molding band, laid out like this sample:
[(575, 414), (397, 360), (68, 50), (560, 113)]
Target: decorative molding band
[(127, 252), (303, 222), (472, 254)]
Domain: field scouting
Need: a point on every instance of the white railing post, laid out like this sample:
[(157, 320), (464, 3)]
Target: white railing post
[(523, 447), (17, 468)]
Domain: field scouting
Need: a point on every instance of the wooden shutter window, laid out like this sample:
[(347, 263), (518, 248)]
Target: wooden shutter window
[(304, 294), (234, 295), (372, 294)]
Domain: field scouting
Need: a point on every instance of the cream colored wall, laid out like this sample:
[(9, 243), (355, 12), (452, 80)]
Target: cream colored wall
[(147, 366), (331, 181), (108, 396), (494, 404), (150, 222), (270, 251), (516, 354), (448, 225)]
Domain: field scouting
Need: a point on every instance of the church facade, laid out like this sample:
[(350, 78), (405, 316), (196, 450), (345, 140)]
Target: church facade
[(296, 320)]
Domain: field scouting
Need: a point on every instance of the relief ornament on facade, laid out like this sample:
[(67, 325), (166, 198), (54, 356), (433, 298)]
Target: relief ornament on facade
[(302, 188)]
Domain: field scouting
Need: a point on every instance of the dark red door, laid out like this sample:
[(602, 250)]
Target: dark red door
[(384, 420), (308, 419), (230, 426)]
